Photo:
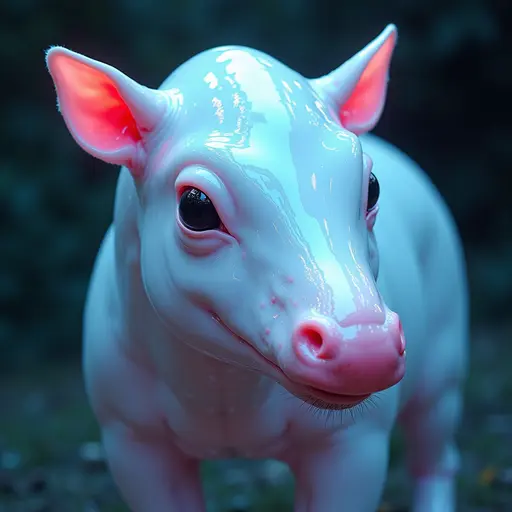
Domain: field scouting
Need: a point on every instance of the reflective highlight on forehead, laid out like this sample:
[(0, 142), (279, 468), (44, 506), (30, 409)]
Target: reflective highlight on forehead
[(268, 121), (266, 128), (276, 128), (241, 88)]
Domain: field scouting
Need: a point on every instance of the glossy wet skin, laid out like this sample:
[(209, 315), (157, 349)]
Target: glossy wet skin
[(291, 270), (279, 279)]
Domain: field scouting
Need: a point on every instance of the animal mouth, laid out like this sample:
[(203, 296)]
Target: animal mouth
[(256, 352), (336, 398), (318, 397)]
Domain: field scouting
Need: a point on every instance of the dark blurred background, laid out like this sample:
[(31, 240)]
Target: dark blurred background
[(448, 108)]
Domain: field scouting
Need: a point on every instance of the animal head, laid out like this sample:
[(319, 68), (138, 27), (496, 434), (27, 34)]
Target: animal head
[(256, 207)]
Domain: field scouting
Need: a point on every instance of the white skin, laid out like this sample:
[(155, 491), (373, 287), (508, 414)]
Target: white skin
[(265, 336)]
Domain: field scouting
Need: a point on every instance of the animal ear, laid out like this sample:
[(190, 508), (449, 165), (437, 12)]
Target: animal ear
[(108, 114), (357, 89)]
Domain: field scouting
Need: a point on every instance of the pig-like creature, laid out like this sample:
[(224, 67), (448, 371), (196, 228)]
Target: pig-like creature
[(245, 275)]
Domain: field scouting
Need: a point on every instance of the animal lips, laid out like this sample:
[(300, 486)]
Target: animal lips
[(336, 398), (258, 354)]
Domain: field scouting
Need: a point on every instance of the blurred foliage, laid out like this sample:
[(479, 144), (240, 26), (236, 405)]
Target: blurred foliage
[(447, 108)]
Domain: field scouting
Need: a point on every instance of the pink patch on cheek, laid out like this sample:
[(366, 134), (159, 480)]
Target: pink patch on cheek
[(289, 279), (273, 300), (267, 331), (368, 163), (402, 339)]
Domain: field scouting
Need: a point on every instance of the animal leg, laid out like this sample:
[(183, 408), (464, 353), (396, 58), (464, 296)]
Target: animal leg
[(432, 454), (348, 475), (152, 474)]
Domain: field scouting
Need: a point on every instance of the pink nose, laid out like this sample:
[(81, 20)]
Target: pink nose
[(355, 359)]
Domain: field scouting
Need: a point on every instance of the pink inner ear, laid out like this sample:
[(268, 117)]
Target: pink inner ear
[(364, 107), (92, 105)]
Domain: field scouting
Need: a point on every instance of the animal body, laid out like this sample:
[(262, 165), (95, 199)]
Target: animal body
[(276, 282)]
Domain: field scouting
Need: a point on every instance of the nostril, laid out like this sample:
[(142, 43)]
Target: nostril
[(313, 339), (401, 349)]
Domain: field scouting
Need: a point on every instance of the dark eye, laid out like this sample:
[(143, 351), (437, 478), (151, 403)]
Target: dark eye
[(197, 211), (373, 192)]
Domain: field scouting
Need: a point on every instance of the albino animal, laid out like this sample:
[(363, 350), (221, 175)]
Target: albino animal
[(266, 253)]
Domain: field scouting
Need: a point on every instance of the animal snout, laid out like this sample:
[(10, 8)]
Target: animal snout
[(350, 358)]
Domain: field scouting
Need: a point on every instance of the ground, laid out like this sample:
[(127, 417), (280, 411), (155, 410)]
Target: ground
[(51, 461)]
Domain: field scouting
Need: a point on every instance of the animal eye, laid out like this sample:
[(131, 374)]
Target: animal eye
[(197, 211), (373, 192)]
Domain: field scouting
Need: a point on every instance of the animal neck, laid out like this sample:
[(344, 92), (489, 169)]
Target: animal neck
[(202, 383)]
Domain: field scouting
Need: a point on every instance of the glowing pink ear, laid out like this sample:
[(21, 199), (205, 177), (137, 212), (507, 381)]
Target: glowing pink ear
[(108, 114), (357, 89)]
